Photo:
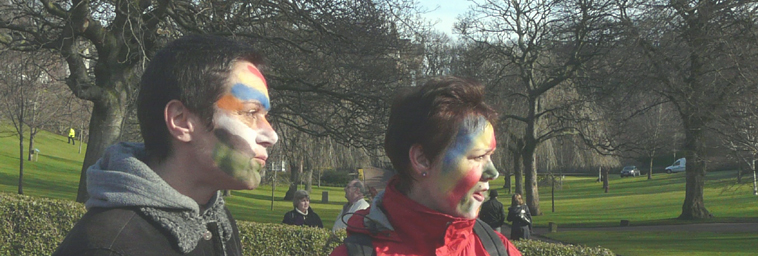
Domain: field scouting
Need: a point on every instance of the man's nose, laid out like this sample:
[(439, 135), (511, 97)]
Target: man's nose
[(268, 136)]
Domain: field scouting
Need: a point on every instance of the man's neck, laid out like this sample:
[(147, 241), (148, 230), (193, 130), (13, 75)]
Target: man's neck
[(175, 172), (351, 202)]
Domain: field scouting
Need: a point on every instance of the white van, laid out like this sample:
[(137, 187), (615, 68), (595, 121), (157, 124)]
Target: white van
[(677, 166)]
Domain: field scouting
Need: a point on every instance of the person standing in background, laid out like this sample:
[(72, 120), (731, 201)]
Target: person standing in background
[(303, 214), (519, 214), (492, 212), (72, 136), (354, 193)]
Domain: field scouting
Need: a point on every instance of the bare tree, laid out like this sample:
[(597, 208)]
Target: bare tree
[(24, 85), (541, 45), (693, 52), (737, 130), (331, 62)]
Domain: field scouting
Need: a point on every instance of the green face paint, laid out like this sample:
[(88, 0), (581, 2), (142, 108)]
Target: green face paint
[(238, 165), (233, 156)]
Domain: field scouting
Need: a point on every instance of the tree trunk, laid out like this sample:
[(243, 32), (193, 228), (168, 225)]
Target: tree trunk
[(294, 180), (531, 194), (518, 172), (105, 128), (21, 152), (31, 143), (606, 185), (507, 179), (530, 161), (694, 206), (650, 172), (309, 176)]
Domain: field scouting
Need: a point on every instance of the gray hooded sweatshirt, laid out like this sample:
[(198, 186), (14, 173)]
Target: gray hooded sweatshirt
[(122, 179)]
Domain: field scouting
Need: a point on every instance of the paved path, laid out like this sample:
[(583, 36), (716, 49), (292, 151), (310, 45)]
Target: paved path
[(703, 227)]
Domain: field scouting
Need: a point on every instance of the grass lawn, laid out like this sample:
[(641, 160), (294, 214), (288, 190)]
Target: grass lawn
[(580, 203), (665, 243)]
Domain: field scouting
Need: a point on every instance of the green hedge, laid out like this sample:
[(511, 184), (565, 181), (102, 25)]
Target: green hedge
[(282, 239), (35, 226), (535, 247)]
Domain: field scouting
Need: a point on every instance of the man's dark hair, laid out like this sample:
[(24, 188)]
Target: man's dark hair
[(194, 70), (431, 115)]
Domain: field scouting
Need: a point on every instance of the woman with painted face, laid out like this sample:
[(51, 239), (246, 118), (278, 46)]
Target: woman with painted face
[(440, 138), (303, 214), (519, 214)]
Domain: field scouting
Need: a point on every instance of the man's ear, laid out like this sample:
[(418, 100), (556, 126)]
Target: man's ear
[(178, 121), (419, 161)]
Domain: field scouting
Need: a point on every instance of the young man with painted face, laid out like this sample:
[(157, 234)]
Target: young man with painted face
[(440, 139), (202, 109)]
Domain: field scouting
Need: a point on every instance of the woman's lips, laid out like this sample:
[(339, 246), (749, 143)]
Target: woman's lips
[(479, 196)]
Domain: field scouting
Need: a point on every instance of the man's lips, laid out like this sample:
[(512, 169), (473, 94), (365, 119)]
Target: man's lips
[(261, 159)]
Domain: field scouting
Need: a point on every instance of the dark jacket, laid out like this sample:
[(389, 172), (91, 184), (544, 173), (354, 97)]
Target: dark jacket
[(133, 211), (295, 218), (126, 231), (493, 213), (522, 226)]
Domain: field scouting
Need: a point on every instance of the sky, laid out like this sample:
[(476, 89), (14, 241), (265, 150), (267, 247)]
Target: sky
[(445, 13)]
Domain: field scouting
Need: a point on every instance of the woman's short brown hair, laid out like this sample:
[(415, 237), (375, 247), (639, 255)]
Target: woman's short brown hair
[(517, 200), (430, 116)]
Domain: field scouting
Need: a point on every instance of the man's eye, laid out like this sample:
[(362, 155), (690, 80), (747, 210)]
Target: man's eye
[(250, 113)]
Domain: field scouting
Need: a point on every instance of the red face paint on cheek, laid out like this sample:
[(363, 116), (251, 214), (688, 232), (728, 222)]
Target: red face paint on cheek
[(463, 186), (493, 143)]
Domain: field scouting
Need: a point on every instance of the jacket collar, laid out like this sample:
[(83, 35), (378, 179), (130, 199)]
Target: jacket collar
[(187, 227), (394, 216)]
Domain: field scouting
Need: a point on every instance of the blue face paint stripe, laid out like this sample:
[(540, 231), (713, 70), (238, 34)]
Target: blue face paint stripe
[(245, 93), (470, 128)]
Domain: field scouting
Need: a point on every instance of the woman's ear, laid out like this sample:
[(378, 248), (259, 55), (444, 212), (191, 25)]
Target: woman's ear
[(178, 121), (419, 161)]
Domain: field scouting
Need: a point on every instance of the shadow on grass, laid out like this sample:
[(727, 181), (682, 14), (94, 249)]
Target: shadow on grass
[(279, 198), (62, 160)]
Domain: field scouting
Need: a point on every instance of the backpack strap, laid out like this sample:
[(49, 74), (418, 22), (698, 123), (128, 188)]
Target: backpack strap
[(359, 245), (490, 240)]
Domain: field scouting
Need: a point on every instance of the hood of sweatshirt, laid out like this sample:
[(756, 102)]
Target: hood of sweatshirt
[(122, 179)]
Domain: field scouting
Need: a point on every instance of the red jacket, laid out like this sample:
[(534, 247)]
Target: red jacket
[(409, 228)]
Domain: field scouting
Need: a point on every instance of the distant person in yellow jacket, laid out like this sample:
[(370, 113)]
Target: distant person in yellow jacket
[(72, 136)]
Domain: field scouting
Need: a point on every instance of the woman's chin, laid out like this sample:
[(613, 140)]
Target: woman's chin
[(472, 214)]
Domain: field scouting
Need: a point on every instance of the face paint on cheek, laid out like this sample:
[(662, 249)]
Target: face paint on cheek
[(460, 196), (459, 176), (233, 153), (236, 163)]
